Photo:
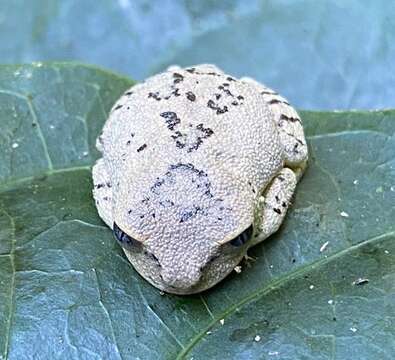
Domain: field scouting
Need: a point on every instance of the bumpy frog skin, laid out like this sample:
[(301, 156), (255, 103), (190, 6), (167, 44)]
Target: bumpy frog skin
[(197, 167)]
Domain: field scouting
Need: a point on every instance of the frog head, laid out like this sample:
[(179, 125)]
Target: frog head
[(187, 230)]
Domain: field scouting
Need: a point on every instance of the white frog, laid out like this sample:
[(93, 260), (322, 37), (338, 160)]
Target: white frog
[(197, 166)]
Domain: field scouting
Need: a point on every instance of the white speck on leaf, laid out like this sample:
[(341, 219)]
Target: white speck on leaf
[(353, 329), (330, 302), (222, 321), (311, 287), (324, 245), (257, 338), (344, 214), (271, 353), (355, 182), (14, 145)]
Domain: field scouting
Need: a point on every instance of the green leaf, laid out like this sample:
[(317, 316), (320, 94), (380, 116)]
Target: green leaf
[(310, 51), (67, 291)]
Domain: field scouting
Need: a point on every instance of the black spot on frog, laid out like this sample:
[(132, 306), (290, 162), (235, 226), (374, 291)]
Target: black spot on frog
[(171, 119)]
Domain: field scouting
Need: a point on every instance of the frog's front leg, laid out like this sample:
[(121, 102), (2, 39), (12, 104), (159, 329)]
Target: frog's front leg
[(102, 192), (275, 202)]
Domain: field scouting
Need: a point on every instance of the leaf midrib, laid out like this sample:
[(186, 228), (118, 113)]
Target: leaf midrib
[(275, 284)]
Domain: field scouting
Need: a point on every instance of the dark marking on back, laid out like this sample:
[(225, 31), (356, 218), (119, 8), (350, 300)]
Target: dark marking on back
[(171, 119), (177, 78), (193, 138), (289, 118), (190, 96), (278, 101), (142, 147), (186, 215), (225, 90), (182, 178), (267, 92), (212, 105), (154, 95)]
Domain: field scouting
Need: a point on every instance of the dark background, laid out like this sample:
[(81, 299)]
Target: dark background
[(321, 54)]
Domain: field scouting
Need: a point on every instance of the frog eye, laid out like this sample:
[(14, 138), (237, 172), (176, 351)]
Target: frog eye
[(243, 237), (124, 239)]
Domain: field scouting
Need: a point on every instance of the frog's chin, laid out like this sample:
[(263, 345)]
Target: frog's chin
[(213, 275)]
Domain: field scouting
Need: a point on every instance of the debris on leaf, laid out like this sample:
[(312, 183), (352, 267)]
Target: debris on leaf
[(344, 214), (330, 302), (360, 281), (324, 245), (222, 321), (311, 287), (353, 329), (14, 145), (257, 338)]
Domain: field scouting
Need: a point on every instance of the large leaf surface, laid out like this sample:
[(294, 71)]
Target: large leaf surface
[(327, 54), (67, 291)]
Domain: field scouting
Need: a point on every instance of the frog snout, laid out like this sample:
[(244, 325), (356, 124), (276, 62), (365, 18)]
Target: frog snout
[(184, 279)]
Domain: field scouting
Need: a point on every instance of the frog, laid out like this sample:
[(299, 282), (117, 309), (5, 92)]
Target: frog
[(197, 166)]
